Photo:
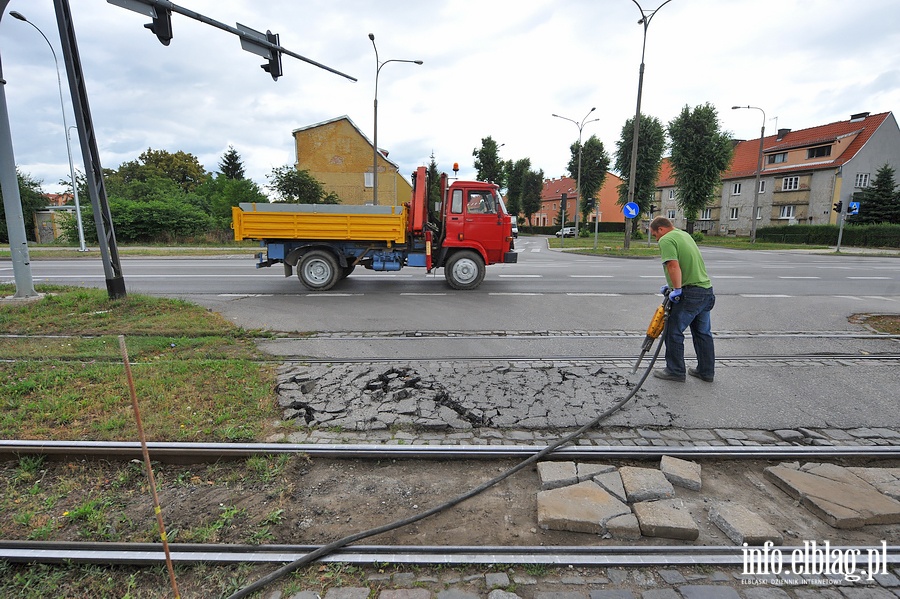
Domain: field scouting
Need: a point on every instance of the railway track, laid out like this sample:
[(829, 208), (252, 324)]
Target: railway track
[(609, 556)]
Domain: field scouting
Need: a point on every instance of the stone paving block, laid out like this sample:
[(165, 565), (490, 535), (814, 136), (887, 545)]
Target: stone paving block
[(306, 595), (624, 527), (403, 578), (743, 526), (839, 503), (765, 593), (660, 594), (405, 594), (584, 507), (501, 594), (559, 595), (667, 519), (645, 484), (493, 580), (611, 594), (871, 593), (681, 473), (588, 471), (347, 593), (457, 594), (671, 576), (554, 475), (789, 435), (707, 591), (612, 482)]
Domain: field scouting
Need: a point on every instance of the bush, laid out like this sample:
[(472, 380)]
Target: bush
[(698, 236), (883, 235)]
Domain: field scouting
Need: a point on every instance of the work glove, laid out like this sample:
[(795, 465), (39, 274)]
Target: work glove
[(675, 295), (663, 289)]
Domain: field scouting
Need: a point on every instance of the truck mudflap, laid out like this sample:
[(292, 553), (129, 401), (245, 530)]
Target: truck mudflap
[(510, 258)]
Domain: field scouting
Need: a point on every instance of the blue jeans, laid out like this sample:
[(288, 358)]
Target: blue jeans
[(692, 311)]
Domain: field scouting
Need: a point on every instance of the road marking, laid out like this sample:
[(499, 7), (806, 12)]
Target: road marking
[(245, 295), (423, 293), (515, 294), (870, 278), (595, 294), (334, 294), (521, 276), (535, 250), (763, 295), (732, 277), (799, 277), (591, 276), (853, 297), (879, 297)]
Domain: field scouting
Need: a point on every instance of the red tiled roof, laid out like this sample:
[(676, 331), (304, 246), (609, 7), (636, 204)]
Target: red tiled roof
[(746, 153)]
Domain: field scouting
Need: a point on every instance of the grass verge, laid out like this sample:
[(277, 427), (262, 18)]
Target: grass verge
[(198, 377)]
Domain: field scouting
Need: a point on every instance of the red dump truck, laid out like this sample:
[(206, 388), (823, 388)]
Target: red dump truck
[(468, 230)]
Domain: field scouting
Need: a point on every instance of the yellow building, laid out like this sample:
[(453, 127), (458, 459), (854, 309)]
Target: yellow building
[(340, 157)]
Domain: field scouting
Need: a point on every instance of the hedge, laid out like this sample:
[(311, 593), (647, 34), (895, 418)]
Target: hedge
[(883, 235)]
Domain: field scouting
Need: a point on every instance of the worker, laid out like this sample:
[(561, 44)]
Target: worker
[(692, 298)]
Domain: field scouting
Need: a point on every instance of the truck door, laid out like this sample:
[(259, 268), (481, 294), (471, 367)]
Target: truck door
[(486, 223)]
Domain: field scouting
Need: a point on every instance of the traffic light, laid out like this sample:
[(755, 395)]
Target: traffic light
[(652, 208), (838, 206), (273, 67), (562, 203), (161, 25)]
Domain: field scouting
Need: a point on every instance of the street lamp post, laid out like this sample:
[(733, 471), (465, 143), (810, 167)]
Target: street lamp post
[(580, 126), (378, 66), (646, 16), (759, 165), (21, 17)]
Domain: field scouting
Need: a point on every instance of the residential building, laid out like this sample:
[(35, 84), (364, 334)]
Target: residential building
[(340, 157), (804, 174), (606, 211)]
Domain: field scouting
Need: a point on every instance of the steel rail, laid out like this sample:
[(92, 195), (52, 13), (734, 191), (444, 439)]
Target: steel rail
[(185, 453), (617, 555), (594, 359)]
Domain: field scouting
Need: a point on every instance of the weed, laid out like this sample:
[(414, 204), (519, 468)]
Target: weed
[(268, 468), (273, 517), (28, 468)]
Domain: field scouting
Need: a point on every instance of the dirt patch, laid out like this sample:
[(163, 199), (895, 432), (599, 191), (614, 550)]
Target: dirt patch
[(292, 500)]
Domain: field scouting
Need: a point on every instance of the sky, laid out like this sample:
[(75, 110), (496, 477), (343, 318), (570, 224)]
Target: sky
[(497, 68)]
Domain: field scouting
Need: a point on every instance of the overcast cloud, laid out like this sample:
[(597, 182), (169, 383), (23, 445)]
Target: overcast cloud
[(497, 68)]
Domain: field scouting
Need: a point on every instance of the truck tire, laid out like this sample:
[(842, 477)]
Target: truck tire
[(318, 270), (464, 270)]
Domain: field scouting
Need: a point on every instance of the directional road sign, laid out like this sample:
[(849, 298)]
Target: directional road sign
[(630, 210), (853, 208)]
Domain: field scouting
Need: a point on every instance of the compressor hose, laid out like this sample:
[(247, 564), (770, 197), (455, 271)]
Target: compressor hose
[(338, 544)]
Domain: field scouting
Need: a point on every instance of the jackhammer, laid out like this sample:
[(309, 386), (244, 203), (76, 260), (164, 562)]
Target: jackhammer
[(657, 324)]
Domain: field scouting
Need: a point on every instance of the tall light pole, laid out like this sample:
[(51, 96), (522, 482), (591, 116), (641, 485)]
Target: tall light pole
[(646, 16), (580, 126), (378, 66), (17, 15), (759, 165)]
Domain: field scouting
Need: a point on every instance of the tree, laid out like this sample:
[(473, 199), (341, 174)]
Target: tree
[(880, 202), (488, 165), (651, 145), (182, 168), (231, 166), (700, 153), (532, 186), (33, 199), (297, 186), (594, 165), (434, 189), (222, 193), (515, 180)]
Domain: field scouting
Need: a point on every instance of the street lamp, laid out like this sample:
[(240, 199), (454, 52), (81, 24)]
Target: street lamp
[(580, 126), (759, 165), (17, 15), (645, 21), (378, 66)]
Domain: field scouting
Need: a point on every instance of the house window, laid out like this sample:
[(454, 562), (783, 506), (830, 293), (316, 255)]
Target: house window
[(671, 194), (790, 184), (734, 213), (736, 189), (368, 180), (862, 180), (776, 158), (818, 152), (762, 186), (706, 214), (759, 213), (786, 212), (670, 215)]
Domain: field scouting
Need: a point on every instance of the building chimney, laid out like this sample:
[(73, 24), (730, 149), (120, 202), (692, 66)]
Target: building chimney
[(781, 134), (859, 116)]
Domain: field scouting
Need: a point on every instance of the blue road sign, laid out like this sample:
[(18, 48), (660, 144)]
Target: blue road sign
[(853, 208), (630, 210)]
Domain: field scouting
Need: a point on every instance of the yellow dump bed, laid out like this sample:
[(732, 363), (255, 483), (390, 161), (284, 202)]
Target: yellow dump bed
[(319, 221)]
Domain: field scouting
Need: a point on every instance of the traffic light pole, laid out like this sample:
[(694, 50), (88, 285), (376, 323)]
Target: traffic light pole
[(12, 201)]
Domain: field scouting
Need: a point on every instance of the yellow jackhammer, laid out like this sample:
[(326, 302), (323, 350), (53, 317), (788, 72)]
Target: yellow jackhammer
[(657, 324)]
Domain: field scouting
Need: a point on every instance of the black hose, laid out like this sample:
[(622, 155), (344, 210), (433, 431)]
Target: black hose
[(335, 545)]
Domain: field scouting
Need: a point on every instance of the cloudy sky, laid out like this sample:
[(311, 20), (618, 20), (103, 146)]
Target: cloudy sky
[(491, 67)]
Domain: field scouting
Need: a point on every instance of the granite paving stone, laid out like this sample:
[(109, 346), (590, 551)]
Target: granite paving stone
[(681, 473), (742, 525), (665, 518), (703, 591), (645, 484), (584, 507)]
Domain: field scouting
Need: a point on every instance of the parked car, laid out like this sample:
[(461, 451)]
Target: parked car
[(515, 228), (566, 232)]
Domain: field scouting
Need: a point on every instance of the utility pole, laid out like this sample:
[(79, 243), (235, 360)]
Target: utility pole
[(12, 200)]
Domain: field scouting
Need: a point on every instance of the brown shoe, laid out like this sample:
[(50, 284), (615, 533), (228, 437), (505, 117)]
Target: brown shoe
[(667, 375)]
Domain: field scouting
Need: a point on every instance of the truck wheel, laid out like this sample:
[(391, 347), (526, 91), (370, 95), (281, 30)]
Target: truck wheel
[(464, 270), (318, 270)]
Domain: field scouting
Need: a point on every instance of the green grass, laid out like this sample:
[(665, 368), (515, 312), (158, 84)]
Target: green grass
[(197, 376), (612, 244)]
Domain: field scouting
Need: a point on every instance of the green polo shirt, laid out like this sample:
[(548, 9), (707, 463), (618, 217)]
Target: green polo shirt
[(679, 245)]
